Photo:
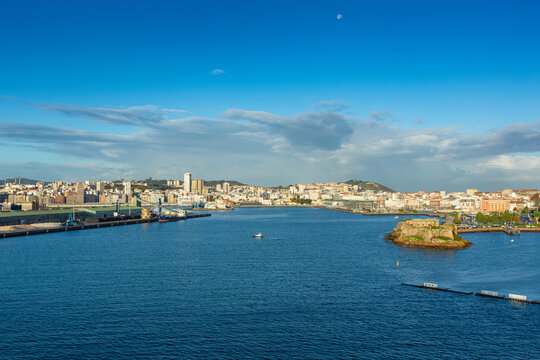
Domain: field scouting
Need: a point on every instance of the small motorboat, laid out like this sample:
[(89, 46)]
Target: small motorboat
[(396, 217), (258, 236)]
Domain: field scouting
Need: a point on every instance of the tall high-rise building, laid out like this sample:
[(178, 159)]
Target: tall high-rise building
[(187, 182), (226, 187), (100, 187), (197, 186), (127, 187)]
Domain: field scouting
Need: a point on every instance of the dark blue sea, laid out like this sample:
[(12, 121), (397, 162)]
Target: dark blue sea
[(319, 285)]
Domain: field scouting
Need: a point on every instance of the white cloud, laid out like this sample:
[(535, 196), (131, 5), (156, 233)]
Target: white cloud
[(324, 130), (274, 149), (383, 115), (145, 115), (217, 72), (335, 105)]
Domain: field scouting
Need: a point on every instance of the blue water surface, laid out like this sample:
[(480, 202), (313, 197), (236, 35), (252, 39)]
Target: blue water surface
[(319, 285)]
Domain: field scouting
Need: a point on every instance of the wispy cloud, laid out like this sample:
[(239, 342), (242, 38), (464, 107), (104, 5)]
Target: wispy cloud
[(69, 170), (383, 115), (217, 72), (323, 130), (335, 105), (146, 115)]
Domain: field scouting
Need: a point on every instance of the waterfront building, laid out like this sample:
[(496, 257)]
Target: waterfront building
[(517, 205), (467, 204), (494, 205)]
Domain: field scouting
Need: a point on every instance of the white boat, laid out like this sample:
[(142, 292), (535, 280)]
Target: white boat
[(396, 217), (258, 236)]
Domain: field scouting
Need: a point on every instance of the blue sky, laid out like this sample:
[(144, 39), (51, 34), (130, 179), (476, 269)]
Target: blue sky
[(445, 94)]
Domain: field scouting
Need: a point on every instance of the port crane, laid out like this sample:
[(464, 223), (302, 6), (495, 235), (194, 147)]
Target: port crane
[(152, 205)]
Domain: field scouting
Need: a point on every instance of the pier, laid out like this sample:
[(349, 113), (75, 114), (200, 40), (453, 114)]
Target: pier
[(506, 230), (46, 230)]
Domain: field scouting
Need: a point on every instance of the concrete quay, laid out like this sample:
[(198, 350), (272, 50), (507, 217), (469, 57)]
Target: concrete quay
[(45, 230), (509, 231)]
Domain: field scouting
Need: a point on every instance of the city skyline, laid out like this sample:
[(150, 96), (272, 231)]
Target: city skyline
[(411, 97)]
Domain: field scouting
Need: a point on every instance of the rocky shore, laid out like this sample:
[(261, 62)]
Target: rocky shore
[(427, 233)]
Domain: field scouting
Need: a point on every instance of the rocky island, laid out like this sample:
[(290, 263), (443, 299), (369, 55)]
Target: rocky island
[(427, 233)]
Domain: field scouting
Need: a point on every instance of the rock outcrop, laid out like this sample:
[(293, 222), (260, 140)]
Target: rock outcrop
[(427, 233)]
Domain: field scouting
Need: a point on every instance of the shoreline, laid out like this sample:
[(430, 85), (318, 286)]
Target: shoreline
[(497, 229), (350, 211)]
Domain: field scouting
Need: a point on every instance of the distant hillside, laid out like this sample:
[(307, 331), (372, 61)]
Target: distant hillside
[(368, 185), (24, 181), (215, 182)]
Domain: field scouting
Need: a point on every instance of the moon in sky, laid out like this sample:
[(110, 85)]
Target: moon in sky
[(339, 16)]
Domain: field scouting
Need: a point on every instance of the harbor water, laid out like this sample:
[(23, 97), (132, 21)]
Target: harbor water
[(319, 285)]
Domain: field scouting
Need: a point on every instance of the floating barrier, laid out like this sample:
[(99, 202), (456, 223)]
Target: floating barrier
[(512, 297), (433, 286), (484, 293)]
